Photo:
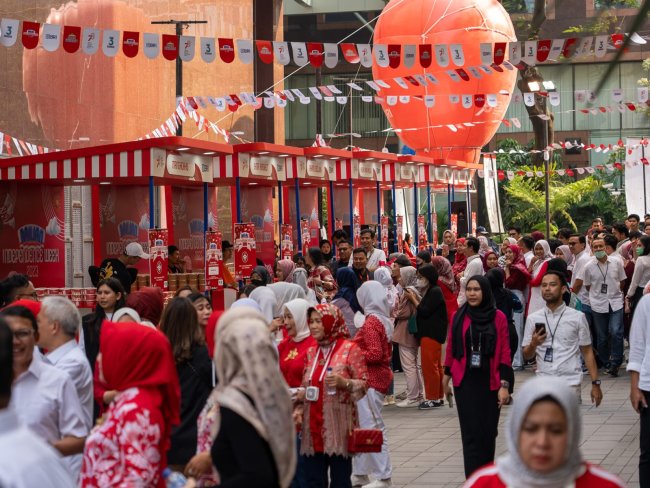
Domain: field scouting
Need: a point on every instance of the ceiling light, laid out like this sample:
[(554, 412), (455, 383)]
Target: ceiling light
[(104, 182), (183, 149), (209, 153), (78, 181), (283, 155), (534, 86), (318, 156), (252, 183), (334, 158), (262, 153), (549, 85), (307, 183)]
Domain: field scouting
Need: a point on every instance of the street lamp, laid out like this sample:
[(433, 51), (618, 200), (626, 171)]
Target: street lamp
[(539, 87)]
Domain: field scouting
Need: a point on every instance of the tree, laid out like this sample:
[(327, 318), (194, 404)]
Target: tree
[(645, 81)]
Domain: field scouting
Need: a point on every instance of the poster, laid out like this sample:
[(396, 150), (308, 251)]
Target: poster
[(32, 233), (158, 262), (454, 224), (308, 205), (213, 261), (305, 235), (286, 241), (400, 233), (474, 223), (257, 208), (422, 234), (384, 234), (188, 225), (356, 231), (245, 250), (123, 218), (434, 223)]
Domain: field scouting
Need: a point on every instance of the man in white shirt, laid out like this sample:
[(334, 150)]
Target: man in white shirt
[(605, 278), (578, 245), (474, 266), (58, 323), (25, 460), (375, 256), (43, 396), (556, 335), (610, 248), (527, 246)]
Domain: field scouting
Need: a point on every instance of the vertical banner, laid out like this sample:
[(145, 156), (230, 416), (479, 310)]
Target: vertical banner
[(286, 241), (491, 182), (474, 224), (637, 177), (356, 231), (434, 225), (384, 234), (257, 208), (454, 224), (32, 233), (314, 228), (338, 225), (158, 263), (305, 235), (400, 233), (245, 254), (213, 261), (422, 234)]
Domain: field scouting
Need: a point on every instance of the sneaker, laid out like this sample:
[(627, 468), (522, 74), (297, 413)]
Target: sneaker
[(408, 403), (401, 396), (429, 404), (379, 484), (360, 480), (389, 400), (613, 372)]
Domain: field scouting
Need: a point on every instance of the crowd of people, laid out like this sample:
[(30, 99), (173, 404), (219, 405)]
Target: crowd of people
[(300, 368)]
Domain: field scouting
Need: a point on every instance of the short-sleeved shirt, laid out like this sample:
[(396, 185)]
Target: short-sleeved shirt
[(566, 331), (598, 274), (581, 262)]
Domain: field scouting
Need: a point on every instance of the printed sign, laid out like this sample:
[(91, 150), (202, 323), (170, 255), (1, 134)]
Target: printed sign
[(356, 231), (384, 234), (338, 225), (434, 224), (245, 254), (286, 241), (158, 263), (422, 234), (213, 261), (400, 233), (305, 235), (473, 223), (454, 224)]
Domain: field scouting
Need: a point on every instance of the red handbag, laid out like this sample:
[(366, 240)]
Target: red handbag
[(365, 440)]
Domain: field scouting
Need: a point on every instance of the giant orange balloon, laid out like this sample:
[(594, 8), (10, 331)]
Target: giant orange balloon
[(465, 22)]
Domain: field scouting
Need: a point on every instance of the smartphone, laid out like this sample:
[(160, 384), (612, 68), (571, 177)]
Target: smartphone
[(539, 326)]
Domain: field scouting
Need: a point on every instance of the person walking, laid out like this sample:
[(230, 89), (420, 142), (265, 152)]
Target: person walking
[(346, 297), (517, 279), (474, 266), (447, 284), (641, 275), (537, 269), (478, 361)]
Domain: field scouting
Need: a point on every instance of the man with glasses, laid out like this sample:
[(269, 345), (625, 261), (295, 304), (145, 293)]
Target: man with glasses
[(43, 397), (514, 232), (16, 287)]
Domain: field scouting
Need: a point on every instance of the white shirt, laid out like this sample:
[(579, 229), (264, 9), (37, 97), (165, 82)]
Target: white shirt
[(571, 331), (582, 259), (27, 461), (610, 274), (374, 258), (72, 360), (528, 257), (641, 274), (46, 401), (474, 267), (639, 359)]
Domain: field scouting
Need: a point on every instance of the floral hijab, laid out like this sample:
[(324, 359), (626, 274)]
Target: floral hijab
[(445, 273), (333, 322)]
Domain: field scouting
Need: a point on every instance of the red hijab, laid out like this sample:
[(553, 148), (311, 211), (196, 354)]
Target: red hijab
[(484, 259), (210, 330), (518, 262), (333, 322), (137, 356), (460, 263)]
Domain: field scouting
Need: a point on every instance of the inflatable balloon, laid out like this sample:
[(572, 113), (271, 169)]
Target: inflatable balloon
[(468, 121)]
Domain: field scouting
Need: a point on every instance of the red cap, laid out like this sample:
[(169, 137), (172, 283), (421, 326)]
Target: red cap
[(31, 305)]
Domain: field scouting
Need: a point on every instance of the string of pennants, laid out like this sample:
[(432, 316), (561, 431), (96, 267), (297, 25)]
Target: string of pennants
[(89, 39), (13, 146)]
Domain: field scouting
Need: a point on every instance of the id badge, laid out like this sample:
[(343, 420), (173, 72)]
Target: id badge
[(603, 288), (548, 355), (311, 394), (475, 360)]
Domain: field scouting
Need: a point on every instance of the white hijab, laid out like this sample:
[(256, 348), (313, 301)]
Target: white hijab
[(510, 466), (298, 310), (267, 301), (547, 252), (382, 275), (372, 299), (286, 292)]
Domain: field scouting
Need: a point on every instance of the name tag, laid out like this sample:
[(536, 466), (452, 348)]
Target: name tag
[(548, 355)]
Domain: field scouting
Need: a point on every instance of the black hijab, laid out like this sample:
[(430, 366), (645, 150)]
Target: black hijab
[(482, 321)]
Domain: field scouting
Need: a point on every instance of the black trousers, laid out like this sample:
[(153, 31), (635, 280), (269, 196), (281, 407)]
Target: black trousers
[(478, 415), (644, 457), (316, 470)]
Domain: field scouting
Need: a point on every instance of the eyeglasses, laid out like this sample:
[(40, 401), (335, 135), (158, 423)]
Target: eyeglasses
[(512, 234), (23, 334), (33, 296)]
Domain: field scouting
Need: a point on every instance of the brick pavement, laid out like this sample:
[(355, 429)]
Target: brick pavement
[(426, 450)]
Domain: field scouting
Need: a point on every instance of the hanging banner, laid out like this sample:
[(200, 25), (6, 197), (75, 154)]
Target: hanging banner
[(213, 261), (245, 50), (356, 231), (151, 45), (338, 225), (130, 43), (473, 223), (454, 224), (434, 224), (305, 235), (32, 233), (264, 51), (51, 37), (71, 38), (226, 50), (281, 51), (637, 177), (90, 41), (286, 241), (209, 50), (170, 47), (9, 32), (245, 255), (422, 234), (30, 34), (110, 43), (491, 182), (384, 234), (158, 262), (186, 48), (400, 233)]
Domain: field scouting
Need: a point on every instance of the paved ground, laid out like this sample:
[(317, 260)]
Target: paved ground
[(426, 450)]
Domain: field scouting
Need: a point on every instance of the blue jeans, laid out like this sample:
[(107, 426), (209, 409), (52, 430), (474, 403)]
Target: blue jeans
[(300, 478), (317, 466), (609, 336)]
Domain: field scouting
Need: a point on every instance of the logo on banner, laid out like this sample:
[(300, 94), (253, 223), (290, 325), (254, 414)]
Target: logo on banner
[(187, 48), (90, 40), (170, 47), (9, 30), (71, 38), (426, 55), (265, 51), (111, 39), (394, 55), (31, 236), (245, 50), (226, 50), (30, 34), (350, 53), (331, 55), (315, 53), (281, 50), (299, 53), (208, 51), (130, 43), (127, 231)]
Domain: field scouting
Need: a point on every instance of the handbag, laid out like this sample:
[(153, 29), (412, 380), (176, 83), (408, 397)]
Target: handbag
[(413, 325), (365, 440)]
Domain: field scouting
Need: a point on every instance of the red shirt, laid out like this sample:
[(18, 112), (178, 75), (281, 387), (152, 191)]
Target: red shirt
[(292, 359), (378, 352), (592, 477), (450, 300)]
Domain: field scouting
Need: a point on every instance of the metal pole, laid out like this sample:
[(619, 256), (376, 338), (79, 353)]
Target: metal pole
[(645, 197), (469, 212), (393, 194), (546, 179), (416, 212), (205, 207), (430, 224), (238, 198), (331, 221), (448, 206), (378, 206), (298, 229), (152, 208), (280, 204), (351, 207)]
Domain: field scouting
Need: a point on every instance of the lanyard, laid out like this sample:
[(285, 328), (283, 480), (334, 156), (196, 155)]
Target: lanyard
[(557, 324), (471, 339), (604, 275), (327, 357)]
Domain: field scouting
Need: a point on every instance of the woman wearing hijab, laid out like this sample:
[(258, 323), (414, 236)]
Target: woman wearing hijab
[(537, 270), (326, 249), (268, 303), (448, 247), (432, 323), (299, 277), (253, 416), (517, 279), (478, 361), (346, 297), (507, 242), (484, 246), (320, 277), (409, 344), (329, 409), (460, 262), (283, 269), (490, 260), (374, 340), (260, 276), (447, 283), (137, 362), (543, 439), (383, 276)]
